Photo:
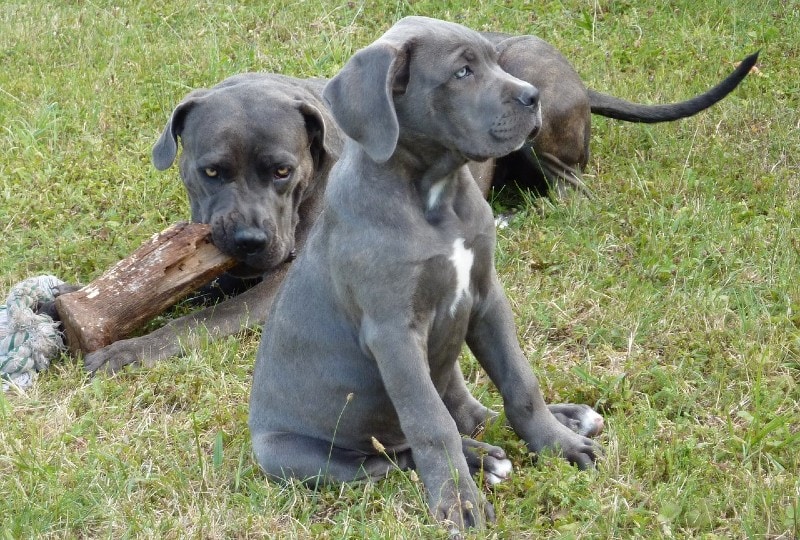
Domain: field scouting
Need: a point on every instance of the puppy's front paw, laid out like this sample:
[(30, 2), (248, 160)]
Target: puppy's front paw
[(545, 433), (462, 509), (487, 459), (580, 418), (578, 450)]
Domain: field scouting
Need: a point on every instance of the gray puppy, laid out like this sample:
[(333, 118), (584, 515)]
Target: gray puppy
[(357, 372)]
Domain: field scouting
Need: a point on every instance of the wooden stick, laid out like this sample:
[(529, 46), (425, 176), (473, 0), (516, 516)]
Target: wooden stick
[(163, 270)]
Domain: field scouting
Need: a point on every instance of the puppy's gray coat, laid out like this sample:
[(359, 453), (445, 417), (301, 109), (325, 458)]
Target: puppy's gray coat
[(363, 339)]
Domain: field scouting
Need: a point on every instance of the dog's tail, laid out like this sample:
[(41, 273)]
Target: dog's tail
[(612, 107)]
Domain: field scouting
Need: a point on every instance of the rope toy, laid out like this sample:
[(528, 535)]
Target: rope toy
[(28, 340)]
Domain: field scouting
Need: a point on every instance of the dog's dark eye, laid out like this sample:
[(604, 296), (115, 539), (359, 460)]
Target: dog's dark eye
[(211, 172), (463, 72), (282, 173)]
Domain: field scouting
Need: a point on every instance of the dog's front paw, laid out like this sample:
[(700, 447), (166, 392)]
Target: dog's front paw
[(111, 358), (49, 307), (66, 288), (487, 459), (462, 509), (578, 450), (580, 418), (548, 434)]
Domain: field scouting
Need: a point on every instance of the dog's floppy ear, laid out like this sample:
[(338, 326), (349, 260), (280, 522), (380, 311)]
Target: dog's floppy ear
[(166, 147), (318, 133), (360, 97)]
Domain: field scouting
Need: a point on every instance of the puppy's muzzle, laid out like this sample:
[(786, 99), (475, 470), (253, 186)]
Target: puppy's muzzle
[(529, 96)]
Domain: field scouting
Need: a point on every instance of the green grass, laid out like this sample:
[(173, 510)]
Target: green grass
[(670, 301)]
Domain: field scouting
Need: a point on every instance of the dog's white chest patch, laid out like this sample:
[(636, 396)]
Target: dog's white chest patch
[(462, 259)]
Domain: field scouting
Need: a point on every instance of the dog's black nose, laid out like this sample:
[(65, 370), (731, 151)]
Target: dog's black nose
[(529, 96), (250, 241)]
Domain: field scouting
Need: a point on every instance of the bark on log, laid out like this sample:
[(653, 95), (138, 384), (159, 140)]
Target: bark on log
[(163, 270)]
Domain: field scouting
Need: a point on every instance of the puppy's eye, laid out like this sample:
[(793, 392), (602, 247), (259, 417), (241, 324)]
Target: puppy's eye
[(463, 72), (282, 173), (211, 172)]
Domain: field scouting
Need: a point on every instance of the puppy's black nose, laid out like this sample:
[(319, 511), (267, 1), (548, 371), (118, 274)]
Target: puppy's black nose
[(250, 241), (529, 96)]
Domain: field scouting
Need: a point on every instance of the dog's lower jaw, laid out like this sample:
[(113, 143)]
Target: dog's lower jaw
[(246, 271)]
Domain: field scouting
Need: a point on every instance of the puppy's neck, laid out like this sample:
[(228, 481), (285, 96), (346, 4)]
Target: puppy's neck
[(431, 170), (425, 161)]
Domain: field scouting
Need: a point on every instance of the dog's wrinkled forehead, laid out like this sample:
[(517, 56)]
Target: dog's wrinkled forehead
[(437, 33)]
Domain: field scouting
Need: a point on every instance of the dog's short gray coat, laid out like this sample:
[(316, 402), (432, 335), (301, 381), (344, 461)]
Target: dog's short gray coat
[(364, 336)]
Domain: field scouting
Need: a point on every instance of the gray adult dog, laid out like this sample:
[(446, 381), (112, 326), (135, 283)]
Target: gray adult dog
[(257, 149), (357, 372)]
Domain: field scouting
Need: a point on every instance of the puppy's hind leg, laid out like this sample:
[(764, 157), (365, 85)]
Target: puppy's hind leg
[(284, 456), (470, 415)]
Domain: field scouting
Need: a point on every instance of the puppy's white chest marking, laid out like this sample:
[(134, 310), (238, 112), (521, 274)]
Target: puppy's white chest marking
[(462, 259)]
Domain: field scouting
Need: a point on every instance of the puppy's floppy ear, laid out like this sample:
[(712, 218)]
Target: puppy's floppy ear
[(166, 147), (360, 97)]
